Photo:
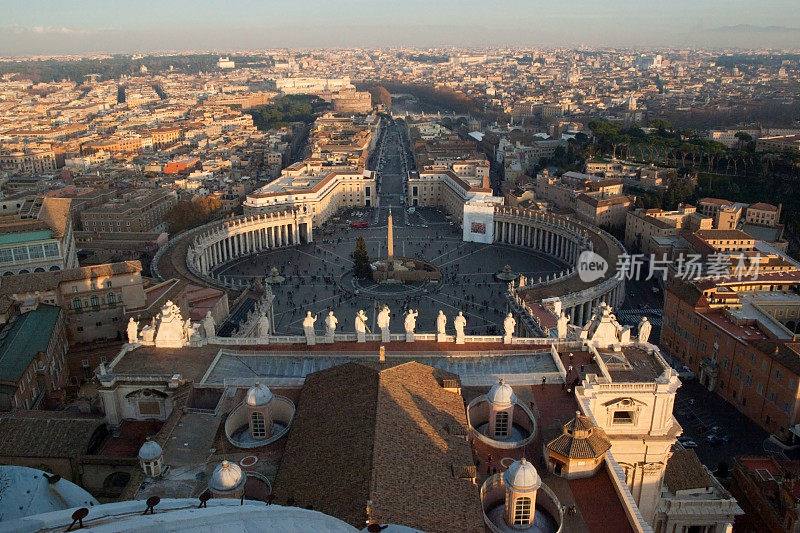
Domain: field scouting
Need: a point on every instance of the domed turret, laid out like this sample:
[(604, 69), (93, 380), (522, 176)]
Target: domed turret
[(258, 396), (501, 395), (227, 481), (501, 399), (151, 458), (521, 481), (522, 476), (150, 450)]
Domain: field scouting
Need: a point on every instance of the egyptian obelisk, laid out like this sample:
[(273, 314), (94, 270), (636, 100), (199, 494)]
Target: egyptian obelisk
[(390, 243)]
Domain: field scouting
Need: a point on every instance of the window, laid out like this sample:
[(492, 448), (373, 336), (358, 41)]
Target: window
[(112, 299), (5, 256), (501, 424), (94, 300), (107, 284), (522, 511), (21, 253), (36, 251), (258, 426), (772, 397), (51, 249), (623, 417), (76, 303)]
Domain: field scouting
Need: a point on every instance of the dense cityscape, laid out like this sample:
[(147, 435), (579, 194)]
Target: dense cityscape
[(401, 288)]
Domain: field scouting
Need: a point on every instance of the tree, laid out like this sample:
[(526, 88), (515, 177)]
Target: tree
[(743, 137), (190, 213), (381, 96), (361, 266)]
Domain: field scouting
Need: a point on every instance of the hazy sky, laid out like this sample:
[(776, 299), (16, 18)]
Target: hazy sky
[(79, 26)]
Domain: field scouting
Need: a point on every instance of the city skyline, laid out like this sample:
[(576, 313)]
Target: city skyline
[(45, 27)]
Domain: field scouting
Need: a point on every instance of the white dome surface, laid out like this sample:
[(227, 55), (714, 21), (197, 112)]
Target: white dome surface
[(501, 395), (26, 491), (227, 478), (150, 451), (258, 395), (522, 475), (182, 515)]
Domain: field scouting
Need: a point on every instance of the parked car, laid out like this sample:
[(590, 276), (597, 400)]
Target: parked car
[(688, 443)]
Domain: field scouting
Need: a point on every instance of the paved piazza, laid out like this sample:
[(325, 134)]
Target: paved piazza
[(319, 275)]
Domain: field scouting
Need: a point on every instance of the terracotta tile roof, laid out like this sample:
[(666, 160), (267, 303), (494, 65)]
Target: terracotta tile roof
[(382, 433), (684, 471), (48, 281), (55, 213), (580, 439), (761, 206), (46, 434)]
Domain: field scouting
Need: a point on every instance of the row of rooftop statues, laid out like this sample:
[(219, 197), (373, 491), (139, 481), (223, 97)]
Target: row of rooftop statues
[(169, 330), (409, 324)]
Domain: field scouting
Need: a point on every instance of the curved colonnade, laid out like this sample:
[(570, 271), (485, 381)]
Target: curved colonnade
[(245, 235), (564, 239)]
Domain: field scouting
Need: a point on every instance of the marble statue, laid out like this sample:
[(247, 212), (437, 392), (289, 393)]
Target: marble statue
[(644, 330), (384, 316), (561, 326), (460, 323), (308, 328), (263, 327), (410, 324), (441, 323), (330, 326), (171, 331), (187, 328), (361, 326), (209, 327), (133, 333), (508, 325)]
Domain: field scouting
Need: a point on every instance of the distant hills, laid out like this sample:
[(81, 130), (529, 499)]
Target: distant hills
[(750, 28)]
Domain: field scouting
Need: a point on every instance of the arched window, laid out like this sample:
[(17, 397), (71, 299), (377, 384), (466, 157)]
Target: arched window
[(258, 426), (501, 424), (522, 511)]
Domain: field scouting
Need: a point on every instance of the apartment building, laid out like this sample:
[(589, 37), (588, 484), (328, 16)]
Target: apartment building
[(594, 199), (32, 349), (137, 211), (35, 161), (93, 298), (40, 244), (652, 231), (726, 214), (445, 190), (778, 143), (318, 190), (763, 214), (738, 334)]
